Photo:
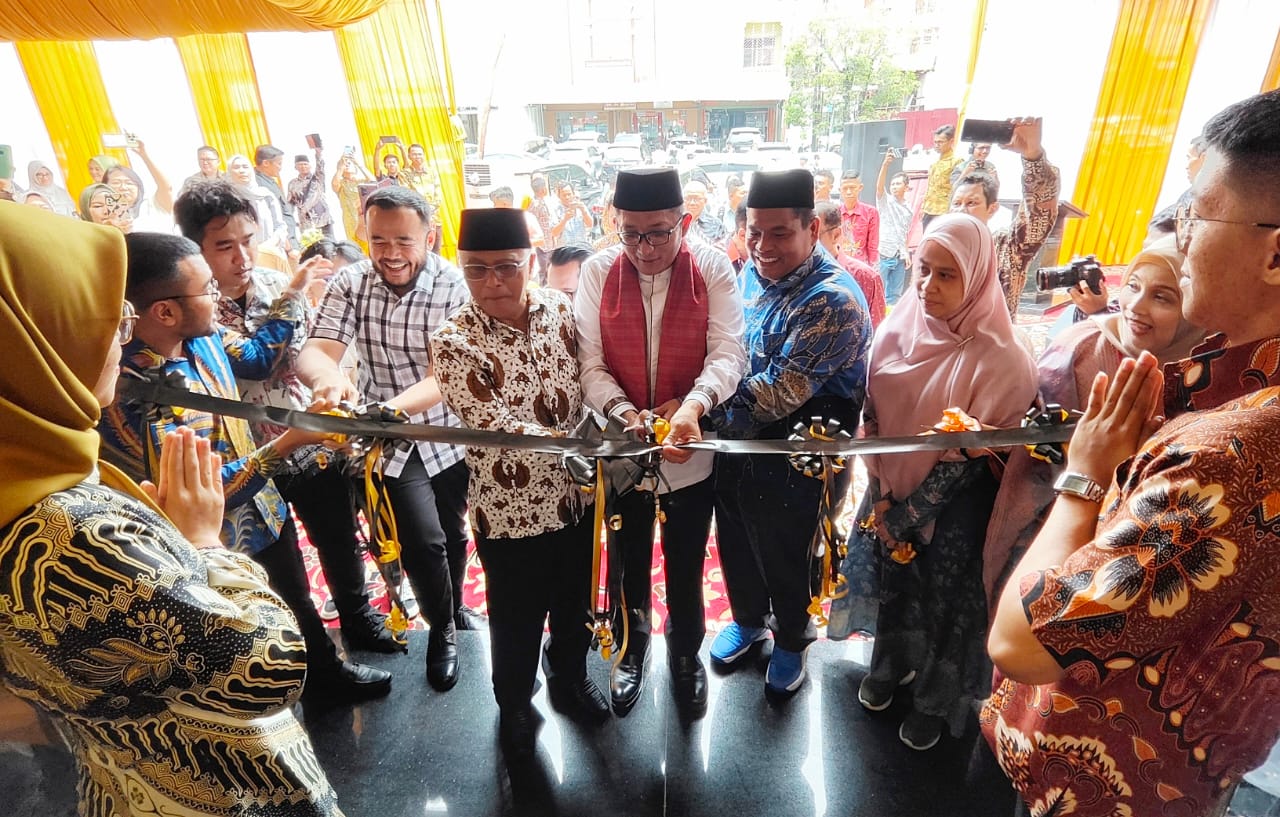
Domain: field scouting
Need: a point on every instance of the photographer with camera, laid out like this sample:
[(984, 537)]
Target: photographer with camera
[(977, 194)]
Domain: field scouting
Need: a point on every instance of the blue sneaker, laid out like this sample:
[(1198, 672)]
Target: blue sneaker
[(734, 641), (786, 671)]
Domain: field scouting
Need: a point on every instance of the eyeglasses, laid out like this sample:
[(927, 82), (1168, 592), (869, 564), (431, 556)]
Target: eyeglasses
[(656, 238), (1182, 221), (504, 271), (128, 317), (211, 289)]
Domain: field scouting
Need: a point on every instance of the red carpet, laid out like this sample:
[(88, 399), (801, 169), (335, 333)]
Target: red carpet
[(473, 591)]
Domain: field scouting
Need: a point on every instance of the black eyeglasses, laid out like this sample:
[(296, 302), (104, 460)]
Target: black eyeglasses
[(504, 271), (1182, 221), (211, 289), (656, 238), (128, 317)]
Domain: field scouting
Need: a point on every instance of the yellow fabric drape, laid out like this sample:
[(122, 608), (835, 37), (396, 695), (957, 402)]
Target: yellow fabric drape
[(975, 46), (224, 87), (1271, 81), (68, 90), (397, 89), (1153, 51), (131, 20)]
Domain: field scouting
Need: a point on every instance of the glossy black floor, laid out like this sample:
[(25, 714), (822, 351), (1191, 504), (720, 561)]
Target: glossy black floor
[(420, 753)]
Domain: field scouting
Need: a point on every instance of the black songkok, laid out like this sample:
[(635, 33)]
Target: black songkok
[(493, 228)]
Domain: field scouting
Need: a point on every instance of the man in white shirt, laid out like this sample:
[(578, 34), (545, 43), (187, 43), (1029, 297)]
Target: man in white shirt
[(659, 335)]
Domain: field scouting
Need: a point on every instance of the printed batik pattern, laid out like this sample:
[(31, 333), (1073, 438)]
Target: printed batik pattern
[(170, 672), (1168, 628)]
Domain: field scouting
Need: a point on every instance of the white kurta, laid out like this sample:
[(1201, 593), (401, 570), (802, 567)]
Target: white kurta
[(723, 367)]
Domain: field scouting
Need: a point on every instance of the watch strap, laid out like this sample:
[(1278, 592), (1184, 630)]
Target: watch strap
[(1079, 485)]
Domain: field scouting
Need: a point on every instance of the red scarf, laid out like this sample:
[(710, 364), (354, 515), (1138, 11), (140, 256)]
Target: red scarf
[(683, 348)]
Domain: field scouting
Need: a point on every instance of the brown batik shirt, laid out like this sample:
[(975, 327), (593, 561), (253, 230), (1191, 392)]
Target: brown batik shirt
[(497, 378), (1168, 622), (1032, 223)]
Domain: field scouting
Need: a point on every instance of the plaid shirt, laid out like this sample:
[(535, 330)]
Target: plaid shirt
[(391, 336)]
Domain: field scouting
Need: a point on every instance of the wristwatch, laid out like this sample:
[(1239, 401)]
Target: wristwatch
[(1077, 484)]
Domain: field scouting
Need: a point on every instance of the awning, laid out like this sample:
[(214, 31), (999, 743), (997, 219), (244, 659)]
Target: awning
[(149, 19)]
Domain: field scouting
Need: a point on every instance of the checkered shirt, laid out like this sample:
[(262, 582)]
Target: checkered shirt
[(390, 335)]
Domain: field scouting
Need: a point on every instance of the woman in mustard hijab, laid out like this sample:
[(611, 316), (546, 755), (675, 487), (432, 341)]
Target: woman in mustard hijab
[(120, 613)]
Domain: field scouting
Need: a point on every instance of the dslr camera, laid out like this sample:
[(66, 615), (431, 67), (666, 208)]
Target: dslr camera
[(1080, 269)]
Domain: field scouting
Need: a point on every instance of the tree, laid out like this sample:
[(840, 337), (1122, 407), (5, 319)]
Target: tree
[(843, 73)]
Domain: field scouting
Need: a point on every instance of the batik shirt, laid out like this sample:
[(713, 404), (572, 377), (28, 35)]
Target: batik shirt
[(1168, 622), (860, 232), (498, 378), (266, 300), (390, 334), (307, 197), (1032, 223), (937, 193), (132, 434), (807, 335), (170, 672)]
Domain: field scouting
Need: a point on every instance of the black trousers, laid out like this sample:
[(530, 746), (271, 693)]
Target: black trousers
[(431, 518), (766, 515), (527, 579), (286, 574), (684, 548), (322, 499)]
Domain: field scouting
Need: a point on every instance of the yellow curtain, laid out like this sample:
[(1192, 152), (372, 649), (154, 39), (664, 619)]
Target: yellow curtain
[(975, 46), (131, 20), (67, 87), (1272, 80), (224, 87), (1153, 51), (397, 88)]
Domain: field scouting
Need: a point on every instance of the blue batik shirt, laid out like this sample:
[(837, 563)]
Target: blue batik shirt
[(807, 335), (133, 434)]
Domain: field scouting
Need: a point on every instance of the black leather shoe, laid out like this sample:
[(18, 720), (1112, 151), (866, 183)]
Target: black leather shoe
[(627, 681), (346, 683), (689, 680), (468, 619), (580, 698), (518, 732), (442, 657), (366, 631)]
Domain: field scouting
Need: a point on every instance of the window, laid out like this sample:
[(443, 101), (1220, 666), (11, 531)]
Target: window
[(760, 44), (610, 31), (924, 40)]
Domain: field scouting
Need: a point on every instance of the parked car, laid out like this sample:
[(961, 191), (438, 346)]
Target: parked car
[(620, 157), (480, 176), (742, 140), (594, 136), (587, 154), (633, 140), (714, 169)]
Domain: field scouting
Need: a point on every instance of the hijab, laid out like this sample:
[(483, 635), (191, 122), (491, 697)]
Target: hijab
[(106, 163), (59, 199), (86, 198), (972, 359), (61, 287), (1162, 252), (136, 207)]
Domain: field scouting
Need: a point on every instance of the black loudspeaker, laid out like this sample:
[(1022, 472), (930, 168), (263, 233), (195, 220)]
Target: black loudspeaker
[(863, 147)]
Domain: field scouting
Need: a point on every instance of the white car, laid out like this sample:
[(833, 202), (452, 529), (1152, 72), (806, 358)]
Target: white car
[(592, 136), (742, 140), (588, 155), (482, 175)]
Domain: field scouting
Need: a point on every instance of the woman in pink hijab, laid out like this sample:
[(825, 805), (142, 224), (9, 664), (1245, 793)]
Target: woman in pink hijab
[(915, 573)]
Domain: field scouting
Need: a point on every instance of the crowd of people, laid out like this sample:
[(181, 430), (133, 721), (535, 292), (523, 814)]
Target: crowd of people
[(1107, 605)]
